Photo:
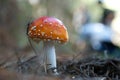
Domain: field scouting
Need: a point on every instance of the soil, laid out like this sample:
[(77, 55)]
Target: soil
[(24, 62)]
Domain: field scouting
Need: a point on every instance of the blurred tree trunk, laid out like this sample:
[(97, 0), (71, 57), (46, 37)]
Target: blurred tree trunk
[(9, 19), (9, 14)]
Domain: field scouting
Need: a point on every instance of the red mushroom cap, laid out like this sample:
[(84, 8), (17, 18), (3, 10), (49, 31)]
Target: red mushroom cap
[(47, 29)]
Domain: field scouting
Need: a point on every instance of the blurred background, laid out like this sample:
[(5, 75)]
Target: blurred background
[(93, 27)]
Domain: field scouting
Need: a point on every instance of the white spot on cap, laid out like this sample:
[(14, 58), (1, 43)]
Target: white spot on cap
[(38, 34), (33, 27), (57, 37), (51, 32), (42, 33), (41, 25), (29, 32), (38, 30), (58, 25), (45, 35), (50, 23)]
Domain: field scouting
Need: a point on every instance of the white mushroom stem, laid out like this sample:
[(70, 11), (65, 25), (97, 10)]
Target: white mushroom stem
[(49, 51)]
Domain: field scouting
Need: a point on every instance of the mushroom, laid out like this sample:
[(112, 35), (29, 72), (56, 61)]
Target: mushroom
[(50, 30)]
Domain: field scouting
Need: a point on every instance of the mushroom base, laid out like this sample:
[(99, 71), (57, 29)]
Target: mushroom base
[(50, 56)]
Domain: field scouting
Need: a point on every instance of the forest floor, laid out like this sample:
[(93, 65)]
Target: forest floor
[(23, 65)]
